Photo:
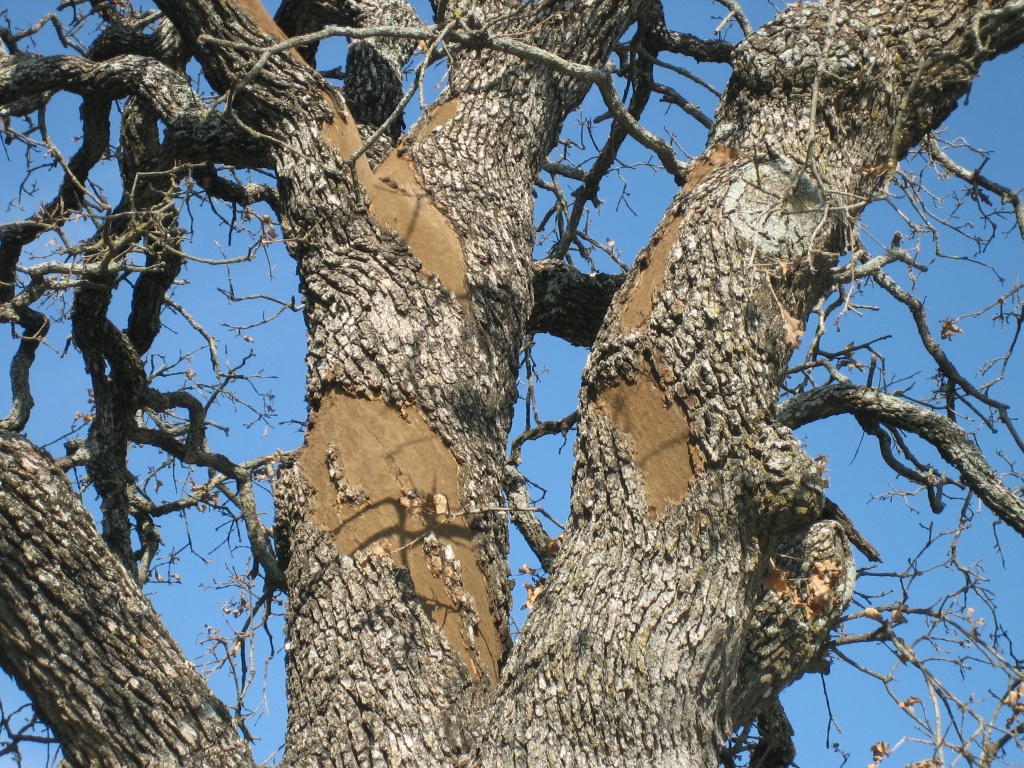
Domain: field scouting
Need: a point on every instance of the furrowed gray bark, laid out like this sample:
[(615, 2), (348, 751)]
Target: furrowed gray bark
[(698, 577), (415, 307), (682, 601), (78, 635)]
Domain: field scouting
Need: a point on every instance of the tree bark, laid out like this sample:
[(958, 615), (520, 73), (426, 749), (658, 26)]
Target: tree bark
[(664, 626), (416, 305), (80, 638), (698, 576)]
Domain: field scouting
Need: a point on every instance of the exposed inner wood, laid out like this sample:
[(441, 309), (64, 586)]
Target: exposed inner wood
[(397, 199), (399, 202), (660, 432), (650, 280), (391, 471), (393, 476), (653, 262)]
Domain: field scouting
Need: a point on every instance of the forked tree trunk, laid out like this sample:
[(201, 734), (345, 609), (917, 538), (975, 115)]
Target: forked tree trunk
[(656, 635)]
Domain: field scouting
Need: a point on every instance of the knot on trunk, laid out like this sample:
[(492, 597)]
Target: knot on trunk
[(807, 583), (788, 482)]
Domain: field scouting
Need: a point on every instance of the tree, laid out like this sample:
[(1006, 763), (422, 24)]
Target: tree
[(703, 568)]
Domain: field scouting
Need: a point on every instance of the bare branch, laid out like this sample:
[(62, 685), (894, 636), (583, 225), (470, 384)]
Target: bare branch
[(569, 304), (1006, 195), (952, 442)]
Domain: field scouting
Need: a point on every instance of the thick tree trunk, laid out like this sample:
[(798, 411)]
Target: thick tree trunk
[(665, 625), (697, 578), (417, 284), (78, 635)]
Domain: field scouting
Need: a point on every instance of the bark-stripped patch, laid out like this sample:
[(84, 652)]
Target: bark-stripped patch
[(390, 468), (660, 432), (397, 199), (651, 278), (702, 167), (654, 261), (399, 202), (440, 114)]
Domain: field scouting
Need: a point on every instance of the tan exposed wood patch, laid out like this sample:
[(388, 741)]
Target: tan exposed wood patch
[(442, 113), (650, 280), (397, 199), (389, 469), (661, 437), (266, 22), (702, 167), (399, 202), (654, 261)]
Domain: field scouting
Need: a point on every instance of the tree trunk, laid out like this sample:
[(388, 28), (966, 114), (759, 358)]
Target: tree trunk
[(665, 625), (698, 577), (80, 638)]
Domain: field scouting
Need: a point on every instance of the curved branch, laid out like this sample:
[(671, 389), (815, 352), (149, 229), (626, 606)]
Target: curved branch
[(917, 311), (166, 89), (1006, 195), (918, 474), (951, 441), (125, 34), (35, 325), (718, 51), (569, 304), (194, 131), (102, 670)]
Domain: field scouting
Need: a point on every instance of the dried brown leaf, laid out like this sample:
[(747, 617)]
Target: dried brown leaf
[(777, 580), (533, 592), (879, 751), (949, 329), (907, 705)]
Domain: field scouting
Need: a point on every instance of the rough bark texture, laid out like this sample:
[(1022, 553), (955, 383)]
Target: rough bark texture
[(79, 636), (650, 644), (569, 304), (415, 308), (697, 578)]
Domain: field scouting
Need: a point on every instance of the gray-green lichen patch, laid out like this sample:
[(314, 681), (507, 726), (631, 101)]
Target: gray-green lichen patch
[(776, 207)]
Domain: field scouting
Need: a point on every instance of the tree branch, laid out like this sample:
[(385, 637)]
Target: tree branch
[(951, 441), (101, 668), (569, 304)]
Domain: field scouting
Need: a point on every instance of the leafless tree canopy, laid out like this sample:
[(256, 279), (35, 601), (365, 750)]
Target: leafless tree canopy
[(702, 567)]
